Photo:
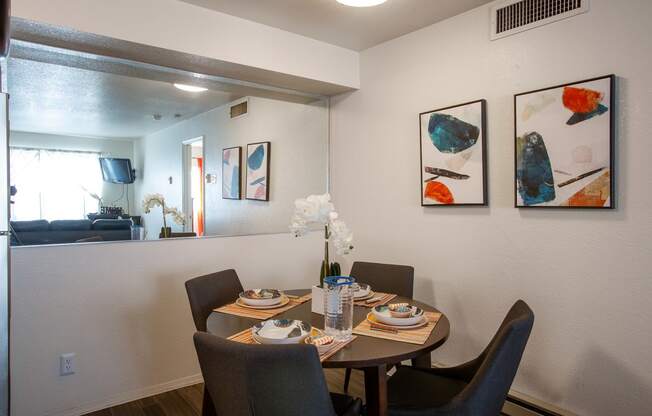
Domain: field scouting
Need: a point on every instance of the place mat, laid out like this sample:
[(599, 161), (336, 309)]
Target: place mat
[(234, 309), (411, 336), (246, 337), (384, 298)]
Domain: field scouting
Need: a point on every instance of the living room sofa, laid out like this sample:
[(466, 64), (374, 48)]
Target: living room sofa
[(39, 232)]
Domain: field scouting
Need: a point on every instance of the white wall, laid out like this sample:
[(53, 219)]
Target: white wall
[(122, 148), (587, 275), (179, 26), (299, 155), (122, 308)]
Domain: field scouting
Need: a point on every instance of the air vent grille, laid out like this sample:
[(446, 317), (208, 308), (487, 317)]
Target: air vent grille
[(239, 109), (516, 16)]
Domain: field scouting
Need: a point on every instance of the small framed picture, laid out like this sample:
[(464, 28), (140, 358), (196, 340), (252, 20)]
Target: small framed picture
[(453, 155), (563, 142), (258, 166), (231, 172)]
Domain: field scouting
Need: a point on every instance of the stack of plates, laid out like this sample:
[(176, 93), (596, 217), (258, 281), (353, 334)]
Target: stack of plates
[(382, 316), (364, 292), (281, 331), (262, 299)]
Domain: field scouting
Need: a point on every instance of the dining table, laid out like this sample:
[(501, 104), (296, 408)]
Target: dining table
[(374, 356)]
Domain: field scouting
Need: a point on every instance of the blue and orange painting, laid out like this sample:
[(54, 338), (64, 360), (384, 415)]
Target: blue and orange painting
[(257, 171)]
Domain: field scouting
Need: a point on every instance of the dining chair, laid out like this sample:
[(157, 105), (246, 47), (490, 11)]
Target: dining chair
[(211, 291), (476, 388), (387, 278), (206, 293), (271, 380)]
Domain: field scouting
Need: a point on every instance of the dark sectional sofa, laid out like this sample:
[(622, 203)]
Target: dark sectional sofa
[(37, 232)]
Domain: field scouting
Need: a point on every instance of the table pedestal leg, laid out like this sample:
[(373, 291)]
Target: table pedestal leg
[(375, 384), (422, 361)]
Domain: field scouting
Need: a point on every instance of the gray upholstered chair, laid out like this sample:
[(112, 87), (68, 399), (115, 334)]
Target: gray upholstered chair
[(387, 278), (270, 380), (211, 291), (206, 293), (476, 388)]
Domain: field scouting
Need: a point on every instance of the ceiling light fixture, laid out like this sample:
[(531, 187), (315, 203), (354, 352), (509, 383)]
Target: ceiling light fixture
[(190, 88), (361, 3)]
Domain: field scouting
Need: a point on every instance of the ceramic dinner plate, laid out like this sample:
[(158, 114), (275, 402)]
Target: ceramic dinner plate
[(382, 314), (371, 318), (261, 297), (284, 301), (280, 331), (363, 292)]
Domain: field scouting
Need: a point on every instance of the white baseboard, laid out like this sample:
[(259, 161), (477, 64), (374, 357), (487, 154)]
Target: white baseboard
[(131, 396)]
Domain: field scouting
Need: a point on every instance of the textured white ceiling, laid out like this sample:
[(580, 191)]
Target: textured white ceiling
[(350, 27), (57, 99)]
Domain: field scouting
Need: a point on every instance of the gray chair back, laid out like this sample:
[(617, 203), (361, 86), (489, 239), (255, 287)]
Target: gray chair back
[(271, 380), (388, 278), (211, 291), (498, 363)]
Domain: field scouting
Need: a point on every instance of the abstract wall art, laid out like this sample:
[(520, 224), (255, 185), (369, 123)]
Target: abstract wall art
[(453, 155), (564, 145), (258, 162), (231, 172)]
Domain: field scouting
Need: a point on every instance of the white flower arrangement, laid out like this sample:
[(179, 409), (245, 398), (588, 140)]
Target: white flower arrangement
[(318, 209), (157, 200)]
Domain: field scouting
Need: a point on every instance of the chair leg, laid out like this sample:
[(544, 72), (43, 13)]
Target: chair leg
[(207, 407), (347, 379)]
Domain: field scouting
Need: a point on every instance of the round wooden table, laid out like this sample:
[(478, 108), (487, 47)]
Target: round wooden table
[(372, 355)]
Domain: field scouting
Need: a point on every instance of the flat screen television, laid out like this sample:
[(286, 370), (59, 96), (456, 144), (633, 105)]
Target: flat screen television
[(117, 170)]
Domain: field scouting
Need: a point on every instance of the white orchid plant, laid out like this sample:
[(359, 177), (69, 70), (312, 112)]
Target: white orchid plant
[(157, 200), (318, 209)]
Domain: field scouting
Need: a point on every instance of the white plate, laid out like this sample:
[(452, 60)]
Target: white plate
[(371, 318), (381, 313), (261, 297), (280, 331), (284, 301), (363, 291)]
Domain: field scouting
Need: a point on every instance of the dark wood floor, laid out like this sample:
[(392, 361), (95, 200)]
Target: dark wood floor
[(187, 401)]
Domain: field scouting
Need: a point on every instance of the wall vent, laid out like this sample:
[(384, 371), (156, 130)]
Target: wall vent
[(239, 109), (514, 16)]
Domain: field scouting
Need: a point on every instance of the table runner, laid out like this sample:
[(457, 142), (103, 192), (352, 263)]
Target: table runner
[(384, 298), (246, 337), (412, 336), (234, 309)]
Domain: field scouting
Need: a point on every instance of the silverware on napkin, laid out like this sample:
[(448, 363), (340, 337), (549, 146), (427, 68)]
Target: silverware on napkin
[(383, 329)]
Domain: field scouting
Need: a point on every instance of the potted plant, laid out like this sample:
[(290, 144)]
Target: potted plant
[(157, 200), (319, 210)]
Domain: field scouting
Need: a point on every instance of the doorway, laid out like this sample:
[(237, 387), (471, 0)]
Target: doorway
[(193, 185)]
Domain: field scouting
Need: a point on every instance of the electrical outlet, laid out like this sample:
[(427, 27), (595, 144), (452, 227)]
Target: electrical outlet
[(67, 364)]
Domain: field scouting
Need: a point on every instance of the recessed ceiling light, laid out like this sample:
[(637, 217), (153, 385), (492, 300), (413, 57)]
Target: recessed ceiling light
[(361, 3), (190, 88)]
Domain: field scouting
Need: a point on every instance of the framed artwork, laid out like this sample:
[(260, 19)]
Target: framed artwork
[(257, 183), (231, 172), (453, 155), (564, 146)]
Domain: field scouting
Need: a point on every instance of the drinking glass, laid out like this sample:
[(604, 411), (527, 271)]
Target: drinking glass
[(338, 307)]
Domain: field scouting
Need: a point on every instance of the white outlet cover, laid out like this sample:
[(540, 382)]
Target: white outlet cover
[(67, 364)]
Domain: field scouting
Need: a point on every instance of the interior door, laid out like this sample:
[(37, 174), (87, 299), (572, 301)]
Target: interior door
[(4, 257)]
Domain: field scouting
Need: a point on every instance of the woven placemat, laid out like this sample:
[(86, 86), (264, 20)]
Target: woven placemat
[(411, 336), (246, 337), (384, 298), (234, 309)]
